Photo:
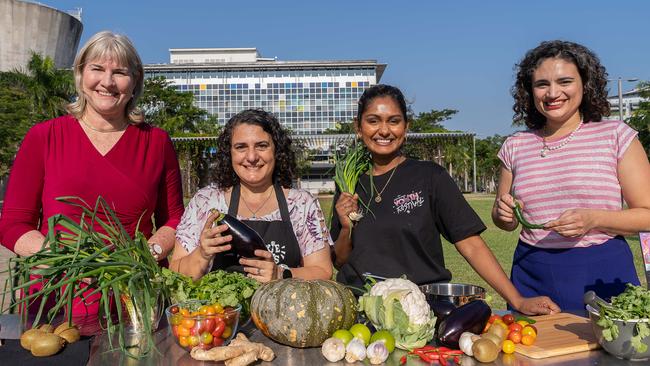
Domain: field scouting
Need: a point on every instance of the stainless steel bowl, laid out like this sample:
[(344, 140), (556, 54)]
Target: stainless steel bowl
[(455, 293), (620, 347)]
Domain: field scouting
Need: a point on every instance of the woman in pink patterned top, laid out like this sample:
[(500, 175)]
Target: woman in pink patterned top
[(253, 183), (569, 172)]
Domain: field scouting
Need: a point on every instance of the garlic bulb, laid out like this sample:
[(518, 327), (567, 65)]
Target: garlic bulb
[(333, 349), (355, 351), (377, 352), (466, 341)]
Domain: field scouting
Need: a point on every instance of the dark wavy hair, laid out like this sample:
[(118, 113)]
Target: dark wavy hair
[(594, 79), (381, 90), (285, 159)]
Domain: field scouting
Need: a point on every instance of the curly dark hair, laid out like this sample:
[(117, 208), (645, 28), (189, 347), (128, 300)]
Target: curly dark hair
[(381, 90), (285, 159), (594, 79)]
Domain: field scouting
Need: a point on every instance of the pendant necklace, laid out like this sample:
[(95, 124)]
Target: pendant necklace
[(103, 131), (260, 207), (379, 193), (546, 149)]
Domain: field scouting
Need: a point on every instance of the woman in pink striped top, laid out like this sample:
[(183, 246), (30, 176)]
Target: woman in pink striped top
[(569, 171)]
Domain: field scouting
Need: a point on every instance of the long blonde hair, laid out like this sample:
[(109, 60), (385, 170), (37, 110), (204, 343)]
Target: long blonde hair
[(119, 48)]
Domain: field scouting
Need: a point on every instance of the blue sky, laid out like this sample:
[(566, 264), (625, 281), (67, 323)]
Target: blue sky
[(455, 54)]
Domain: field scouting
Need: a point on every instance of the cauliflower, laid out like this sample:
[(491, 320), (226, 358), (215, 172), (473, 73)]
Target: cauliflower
[(399, 306), (413, 302)]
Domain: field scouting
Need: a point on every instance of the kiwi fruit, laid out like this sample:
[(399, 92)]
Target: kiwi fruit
[(29, 336), (494, 338), (47, 344), (485, 350)]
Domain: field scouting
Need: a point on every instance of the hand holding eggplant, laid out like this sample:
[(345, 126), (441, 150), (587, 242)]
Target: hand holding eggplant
[(346, 204), (211, 240), (263, 268)]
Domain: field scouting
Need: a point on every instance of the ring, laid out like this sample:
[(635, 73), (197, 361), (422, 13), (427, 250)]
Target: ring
[(259, 271)]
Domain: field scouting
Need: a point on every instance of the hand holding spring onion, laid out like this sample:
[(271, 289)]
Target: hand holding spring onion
[(348, 169)]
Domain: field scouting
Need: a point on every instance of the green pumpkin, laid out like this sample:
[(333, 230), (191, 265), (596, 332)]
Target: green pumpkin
[(302, 313)]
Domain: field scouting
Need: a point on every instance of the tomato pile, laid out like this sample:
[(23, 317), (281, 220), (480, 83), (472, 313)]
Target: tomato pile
[(208, 326), (518, 331)]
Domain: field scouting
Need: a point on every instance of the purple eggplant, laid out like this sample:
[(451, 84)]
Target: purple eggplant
[(441, 309), (470, 317), (244, 239)]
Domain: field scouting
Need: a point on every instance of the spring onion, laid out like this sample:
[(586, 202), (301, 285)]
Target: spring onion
[(348, 169)]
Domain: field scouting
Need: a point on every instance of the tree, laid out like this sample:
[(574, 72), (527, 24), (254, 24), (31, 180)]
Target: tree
[(15, 119), (431, 121), (640, 119), (487, 162)]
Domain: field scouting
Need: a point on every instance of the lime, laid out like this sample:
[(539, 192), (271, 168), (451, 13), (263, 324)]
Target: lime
[(344, 335), (386, 337), (362, 332)]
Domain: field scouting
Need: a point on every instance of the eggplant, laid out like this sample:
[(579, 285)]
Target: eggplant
[(244, 239), (441, 309), (470, 317)]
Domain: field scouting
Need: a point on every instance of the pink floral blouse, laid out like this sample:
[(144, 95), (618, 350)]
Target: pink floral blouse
[(304, 212)]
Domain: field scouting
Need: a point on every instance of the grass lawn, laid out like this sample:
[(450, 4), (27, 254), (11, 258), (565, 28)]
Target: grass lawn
[(501, 242)]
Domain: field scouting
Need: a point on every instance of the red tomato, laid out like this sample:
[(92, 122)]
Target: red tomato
[(515, 327), (508, 319), (197, 328), (209, 324), (182, 331), (173, 309), (493, 317), (175, 330), (515, 336), (217, 341), (219, 327)]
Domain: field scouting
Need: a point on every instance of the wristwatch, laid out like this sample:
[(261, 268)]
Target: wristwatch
[(286, 271), (155, 249)]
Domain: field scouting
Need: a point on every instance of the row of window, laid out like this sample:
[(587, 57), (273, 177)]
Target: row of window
[(213, 74)]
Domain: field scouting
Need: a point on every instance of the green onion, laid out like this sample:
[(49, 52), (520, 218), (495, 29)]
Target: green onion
[(348, 169), (121, 268)]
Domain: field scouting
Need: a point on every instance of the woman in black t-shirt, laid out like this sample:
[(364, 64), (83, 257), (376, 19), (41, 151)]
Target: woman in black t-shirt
[(411, 203)]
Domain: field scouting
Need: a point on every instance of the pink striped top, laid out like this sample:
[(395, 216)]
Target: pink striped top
[(581, 174)]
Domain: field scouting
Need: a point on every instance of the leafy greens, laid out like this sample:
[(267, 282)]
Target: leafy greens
[(632, 304)]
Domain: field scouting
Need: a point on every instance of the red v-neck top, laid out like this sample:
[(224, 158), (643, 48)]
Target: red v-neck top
[(138, 177)]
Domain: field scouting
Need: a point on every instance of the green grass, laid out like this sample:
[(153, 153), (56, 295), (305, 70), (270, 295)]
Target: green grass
[(501, 243)]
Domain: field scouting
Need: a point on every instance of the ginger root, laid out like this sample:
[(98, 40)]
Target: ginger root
[(240, 352)]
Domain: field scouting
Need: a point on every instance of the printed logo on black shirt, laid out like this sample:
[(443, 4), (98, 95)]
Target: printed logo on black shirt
[(404, 203), (279, 251)]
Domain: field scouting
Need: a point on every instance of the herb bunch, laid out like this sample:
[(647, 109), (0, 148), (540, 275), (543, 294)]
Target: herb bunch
[(631, 304), (349, 168), (120, 268)]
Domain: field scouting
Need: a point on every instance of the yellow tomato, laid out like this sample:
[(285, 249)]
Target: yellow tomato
[(527, 340), (218, 309), (184, 312), (226, 332), (182, 331), (508, 346), (188, 323), (183, 341), (528, 331)]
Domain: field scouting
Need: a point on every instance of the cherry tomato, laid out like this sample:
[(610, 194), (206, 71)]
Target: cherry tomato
[(527, 340), (182, 331), (508, 319), (175, 319), (508, 347), (188, 323), (218, 309), (183, 341), (528, 330), (515, 327), (175, 330), (209, 324), (193, 340), (515, 336), (197, 328), (184, 312), (227, 332), (493, 317), (523, 323), (231, 315), (206, 338), (174, 309), (217, 341), (534, 328), (219, 327)]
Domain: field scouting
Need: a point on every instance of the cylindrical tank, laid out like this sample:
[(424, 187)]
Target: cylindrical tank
[(27, 27)]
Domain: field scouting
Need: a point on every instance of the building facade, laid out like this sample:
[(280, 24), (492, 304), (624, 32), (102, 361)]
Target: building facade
[(630, 102), (308, 97), (27, 27)]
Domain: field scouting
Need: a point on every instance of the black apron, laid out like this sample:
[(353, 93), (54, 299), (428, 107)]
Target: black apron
[(278, 236)]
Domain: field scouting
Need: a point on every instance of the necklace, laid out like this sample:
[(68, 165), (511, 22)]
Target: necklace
[(260, 206), (546, 149), (378, 196), (103, 131)]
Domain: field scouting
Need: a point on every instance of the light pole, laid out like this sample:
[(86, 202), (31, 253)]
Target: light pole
[(620, 94)]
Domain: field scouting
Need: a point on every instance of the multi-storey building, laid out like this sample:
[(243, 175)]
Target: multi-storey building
[(308, 97), (630, 101)]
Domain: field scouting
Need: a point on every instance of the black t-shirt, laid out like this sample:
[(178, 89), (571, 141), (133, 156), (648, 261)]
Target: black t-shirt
[(401, 234)]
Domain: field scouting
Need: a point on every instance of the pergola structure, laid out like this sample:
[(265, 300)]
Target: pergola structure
[(324, 147)]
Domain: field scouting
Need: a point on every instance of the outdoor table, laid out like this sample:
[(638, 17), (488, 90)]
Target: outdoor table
[(169, 353)]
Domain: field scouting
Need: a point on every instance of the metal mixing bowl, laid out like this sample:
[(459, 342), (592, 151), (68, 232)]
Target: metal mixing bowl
[(620, 347), (455, 293)]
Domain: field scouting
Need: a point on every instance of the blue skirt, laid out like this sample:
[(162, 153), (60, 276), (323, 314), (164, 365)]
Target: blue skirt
[(565, 275)]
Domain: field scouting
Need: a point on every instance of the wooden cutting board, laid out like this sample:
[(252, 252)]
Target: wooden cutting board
[(560, 334)]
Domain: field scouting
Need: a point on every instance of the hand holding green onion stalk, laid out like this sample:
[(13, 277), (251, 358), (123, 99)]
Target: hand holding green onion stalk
[(347, 171), (121, 268)]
